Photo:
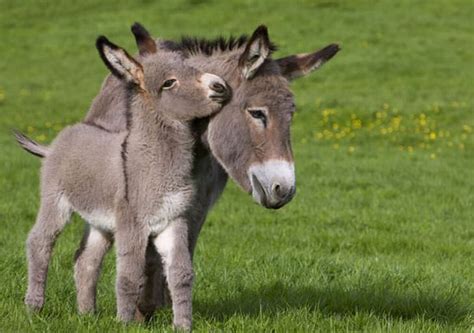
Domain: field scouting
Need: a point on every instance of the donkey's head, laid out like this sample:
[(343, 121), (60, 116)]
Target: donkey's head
[(250, 137), (164, 79)]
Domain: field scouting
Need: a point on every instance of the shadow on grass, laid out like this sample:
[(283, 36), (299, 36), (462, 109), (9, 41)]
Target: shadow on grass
[(271, 300)]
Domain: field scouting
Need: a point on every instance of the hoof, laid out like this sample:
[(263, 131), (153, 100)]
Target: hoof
[(182, 326), (34, 304), (145, 312), (139, 316), (86, 311)]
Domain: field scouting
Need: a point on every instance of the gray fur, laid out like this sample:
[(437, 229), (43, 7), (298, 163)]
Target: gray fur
[(228, 131), (229, 144), (126, 179)]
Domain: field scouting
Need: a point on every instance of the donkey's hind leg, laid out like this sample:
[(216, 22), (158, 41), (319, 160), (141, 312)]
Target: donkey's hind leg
[(52, 217), (88, 261)]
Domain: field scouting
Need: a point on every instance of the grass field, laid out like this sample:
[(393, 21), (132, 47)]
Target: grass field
[(380, 237)]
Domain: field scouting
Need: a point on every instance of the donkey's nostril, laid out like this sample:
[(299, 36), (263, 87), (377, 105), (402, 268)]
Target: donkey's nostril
[(218, 87), (276, 188), (281, 192)]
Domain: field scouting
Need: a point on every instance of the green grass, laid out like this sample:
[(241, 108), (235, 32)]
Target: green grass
[(380, 236)]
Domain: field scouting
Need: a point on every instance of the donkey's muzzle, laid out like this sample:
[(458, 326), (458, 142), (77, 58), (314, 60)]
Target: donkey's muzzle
[(273, 183), (218, 89)]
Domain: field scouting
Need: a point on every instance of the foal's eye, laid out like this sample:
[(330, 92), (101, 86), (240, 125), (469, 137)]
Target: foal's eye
[(254, 57), (168, 84), (259, 114)]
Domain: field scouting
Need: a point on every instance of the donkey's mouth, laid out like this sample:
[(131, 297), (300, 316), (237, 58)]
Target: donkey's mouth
[(258, 192), (221, 99)]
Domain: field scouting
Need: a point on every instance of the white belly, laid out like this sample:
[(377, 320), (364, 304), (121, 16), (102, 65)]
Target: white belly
[(172, 206), (101, 219)]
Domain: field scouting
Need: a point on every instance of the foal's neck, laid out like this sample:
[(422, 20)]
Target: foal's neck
[(154, 131)]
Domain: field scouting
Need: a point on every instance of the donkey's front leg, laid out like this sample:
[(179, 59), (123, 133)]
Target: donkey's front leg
[(94, 246), (172, 245), (131, 239)]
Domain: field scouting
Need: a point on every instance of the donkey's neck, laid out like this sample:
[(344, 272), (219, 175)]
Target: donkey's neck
[(157, 154), (154, 128)]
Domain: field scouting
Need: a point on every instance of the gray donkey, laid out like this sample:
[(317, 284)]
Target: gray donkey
[(135, 184), (248, 140)]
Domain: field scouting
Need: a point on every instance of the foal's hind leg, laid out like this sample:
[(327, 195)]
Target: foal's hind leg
[(52, 217), (94, 245)]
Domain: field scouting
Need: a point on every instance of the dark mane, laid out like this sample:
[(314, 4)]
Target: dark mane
[(193, 45)]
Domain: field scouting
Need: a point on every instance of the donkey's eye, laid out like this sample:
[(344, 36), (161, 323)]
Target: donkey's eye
[(259, 114), (168, 84), (254, 57)]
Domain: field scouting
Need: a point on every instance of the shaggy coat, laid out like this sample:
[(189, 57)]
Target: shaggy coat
[(135, 184)]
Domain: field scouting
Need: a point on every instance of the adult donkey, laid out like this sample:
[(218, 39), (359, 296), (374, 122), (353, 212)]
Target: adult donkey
[(248, 140)]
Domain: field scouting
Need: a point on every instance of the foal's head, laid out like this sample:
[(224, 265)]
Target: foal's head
[(166, 83), (250, 137)]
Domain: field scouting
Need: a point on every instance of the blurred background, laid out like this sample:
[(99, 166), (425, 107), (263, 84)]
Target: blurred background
[(380, 234)]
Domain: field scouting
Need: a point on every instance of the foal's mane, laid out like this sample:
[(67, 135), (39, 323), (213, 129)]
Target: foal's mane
[(195, 45)]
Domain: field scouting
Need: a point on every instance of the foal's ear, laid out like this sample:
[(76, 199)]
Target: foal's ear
[(146, 44), (120, 63), (298, 65), (258, 48)]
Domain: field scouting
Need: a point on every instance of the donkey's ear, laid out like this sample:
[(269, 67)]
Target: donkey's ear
[(258, 49), (120, 63), (298, 65), (146, 44)]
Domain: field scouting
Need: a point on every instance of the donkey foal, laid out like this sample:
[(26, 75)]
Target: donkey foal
[(133, 185)]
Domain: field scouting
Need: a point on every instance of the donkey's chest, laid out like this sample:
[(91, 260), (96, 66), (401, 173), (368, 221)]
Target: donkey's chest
[(173, 205)]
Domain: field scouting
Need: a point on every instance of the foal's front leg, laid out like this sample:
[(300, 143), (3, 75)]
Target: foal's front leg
[(156, 279), (172, 245), (131, 238)]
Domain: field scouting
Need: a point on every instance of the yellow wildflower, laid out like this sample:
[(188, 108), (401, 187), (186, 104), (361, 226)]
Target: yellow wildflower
[(356, 123)]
